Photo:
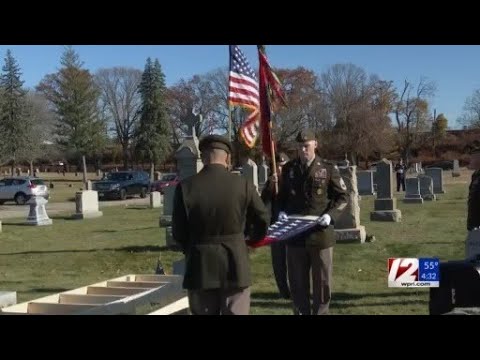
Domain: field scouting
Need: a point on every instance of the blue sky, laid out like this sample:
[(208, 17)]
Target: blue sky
[(454, 68)]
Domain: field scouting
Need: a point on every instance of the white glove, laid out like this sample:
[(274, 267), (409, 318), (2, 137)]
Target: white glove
[(324, 220), (282, 216)]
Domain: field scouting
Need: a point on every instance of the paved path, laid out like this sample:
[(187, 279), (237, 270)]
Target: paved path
[(9, 211)]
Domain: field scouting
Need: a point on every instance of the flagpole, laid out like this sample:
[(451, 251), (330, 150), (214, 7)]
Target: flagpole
[(274, 162), (230, 111)]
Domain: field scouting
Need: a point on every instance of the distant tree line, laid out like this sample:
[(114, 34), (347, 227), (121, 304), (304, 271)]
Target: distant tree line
[(131, 115)]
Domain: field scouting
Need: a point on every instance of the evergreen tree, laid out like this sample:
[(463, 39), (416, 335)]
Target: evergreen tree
[(153, 132), (13, 120), (72, 91)]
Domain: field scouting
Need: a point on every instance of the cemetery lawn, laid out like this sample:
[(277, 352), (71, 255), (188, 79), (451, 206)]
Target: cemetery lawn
[(65, 187), (38, 261)]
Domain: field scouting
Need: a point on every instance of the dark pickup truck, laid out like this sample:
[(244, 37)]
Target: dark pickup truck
[(122, 184)]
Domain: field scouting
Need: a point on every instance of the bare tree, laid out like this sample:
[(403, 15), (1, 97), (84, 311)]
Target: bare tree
[(411, 112), (220, 113), (4, 154), (303, 98), (471, 111), (357, 122), (40, 135), (121, 103), (202, 94)]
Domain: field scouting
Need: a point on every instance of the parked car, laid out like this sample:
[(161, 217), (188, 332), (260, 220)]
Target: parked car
[(123, 183), (166, 180), (445, 165), (21, 188)]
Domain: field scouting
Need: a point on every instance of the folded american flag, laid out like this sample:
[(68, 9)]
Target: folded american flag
[(285, 230)]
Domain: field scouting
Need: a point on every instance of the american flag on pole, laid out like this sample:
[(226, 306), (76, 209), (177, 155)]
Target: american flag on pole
[(243, 91)]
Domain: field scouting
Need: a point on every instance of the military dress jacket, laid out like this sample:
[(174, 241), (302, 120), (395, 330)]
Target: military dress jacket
[(210, 213), (316, 190)]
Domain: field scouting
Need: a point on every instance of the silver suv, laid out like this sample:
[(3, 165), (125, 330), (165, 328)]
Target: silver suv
[(21, 188)]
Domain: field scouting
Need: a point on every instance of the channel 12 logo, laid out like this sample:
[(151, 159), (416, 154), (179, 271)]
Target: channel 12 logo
[(412, 272)]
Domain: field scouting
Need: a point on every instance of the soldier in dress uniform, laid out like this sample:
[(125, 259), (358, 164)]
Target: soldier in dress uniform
[(473, 218), (210, 213), (311, 186)]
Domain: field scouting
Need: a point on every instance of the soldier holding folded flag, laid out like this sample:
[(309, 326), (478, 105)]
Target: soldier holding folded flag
[(311, 186)]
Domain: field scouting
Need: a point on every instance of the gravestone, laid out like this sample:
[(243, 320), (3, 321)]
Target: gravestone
[(385, 206), (437, 176), (347, 226), (262, 175), (170, 241), (155, 199), (250, 171), (416, 168), (179, 267), (456, 168), (8, 298), (37, 215), (188, 157), (412, 191), (88, 185), (344, 163), (166, 217), (86, 205), (426, 188), (365, 182), (188, 164)]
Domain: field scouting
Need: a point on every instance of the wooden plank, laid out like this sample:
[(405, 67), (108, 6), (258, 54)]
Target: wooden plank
[(56, 309), (135, 284), (179, 307), (157, 278), (102, 290), (88, 299)]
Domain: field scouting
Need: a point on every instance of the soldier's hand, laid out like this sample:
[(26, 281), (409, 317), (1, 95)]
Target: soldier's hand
[(282, 216), (324, 220), (274, 178)]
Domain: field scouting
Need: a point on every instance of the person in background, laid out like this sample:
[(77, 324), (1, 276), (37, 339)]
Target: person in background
[(473, 207), (279, 249), (400, 170)]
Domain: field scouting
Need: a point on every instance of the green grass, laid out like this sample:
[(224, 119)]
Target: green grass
[(37, 261), (66, 186)]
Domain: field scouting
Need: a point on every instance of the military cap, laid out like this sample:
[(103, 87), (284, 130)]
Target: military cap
[(215, 142), (305, 135), (281, 158)]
